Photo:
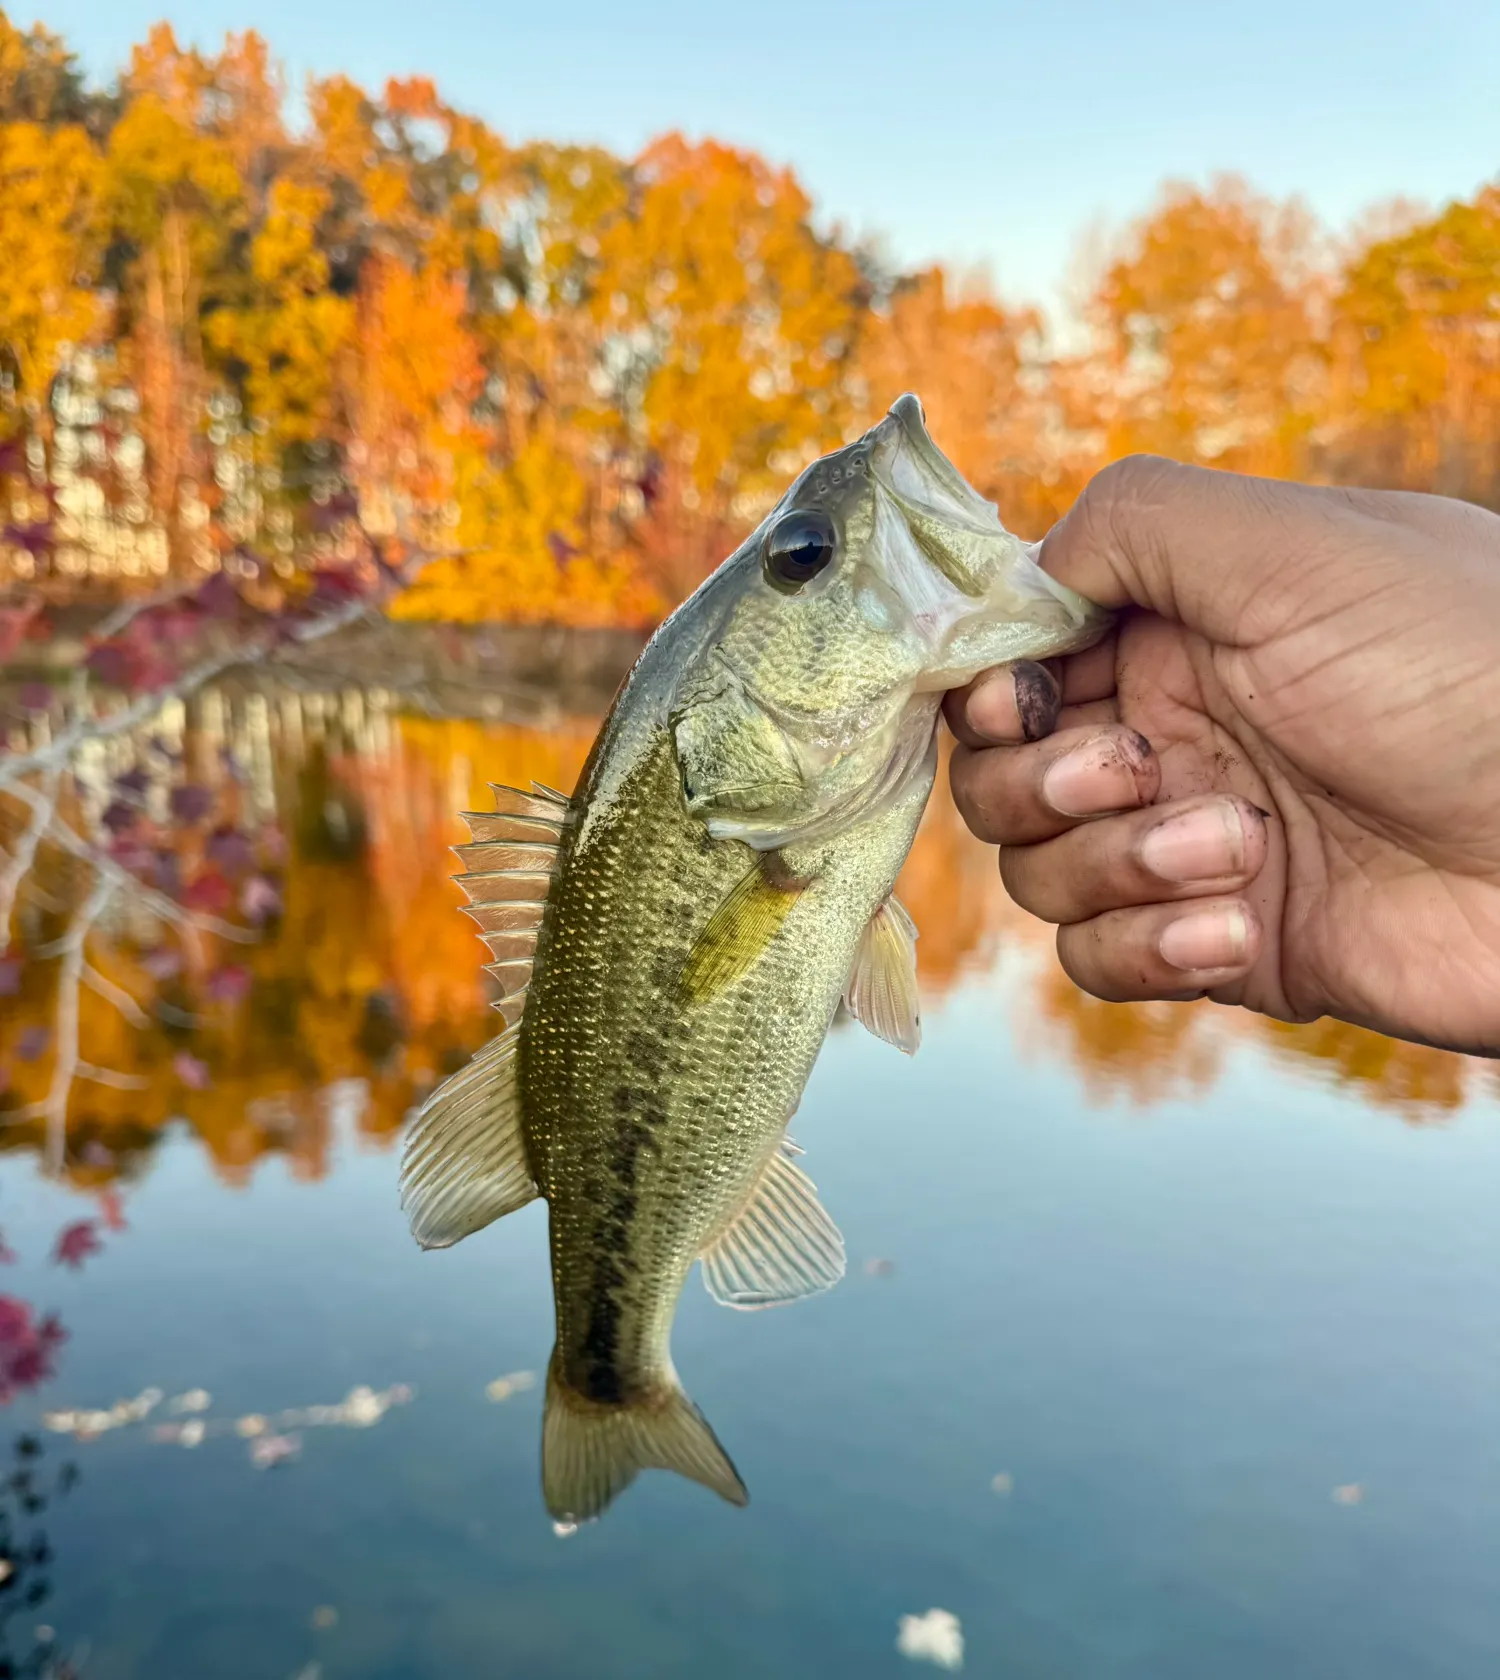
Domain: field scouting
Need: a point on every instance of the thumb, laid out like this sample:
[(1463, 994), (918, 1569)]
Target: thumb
[(1190, 544)]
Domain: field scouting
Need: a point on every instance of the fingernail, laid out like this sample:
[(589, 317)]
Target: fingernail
[(1205, 844), (1038, 698), (1096, 777), (1206, 939), (993, 705)]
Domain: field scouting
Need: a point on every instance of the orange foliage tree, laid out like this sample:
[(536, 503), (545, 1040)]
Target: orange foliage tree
[(582, 378)]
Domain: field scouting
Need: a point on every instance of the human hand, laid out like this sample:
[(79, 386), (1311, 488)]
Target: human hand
[(1277, 783)]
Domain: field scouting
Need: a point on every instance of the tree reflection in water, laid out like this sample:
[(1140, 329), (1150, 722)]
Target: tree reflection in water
[(318, 968)]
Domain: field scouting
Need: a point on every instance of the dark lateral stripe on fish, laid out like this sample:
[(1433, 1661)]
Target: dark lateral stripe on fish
[(615, 1267)]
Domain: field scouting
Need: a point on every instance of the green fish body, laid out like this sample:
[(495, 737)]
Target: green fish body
[(674, 940)]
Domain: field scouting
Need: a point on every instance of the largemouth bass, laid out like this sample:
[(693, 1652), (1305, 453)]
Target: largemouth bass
[(674, 939)]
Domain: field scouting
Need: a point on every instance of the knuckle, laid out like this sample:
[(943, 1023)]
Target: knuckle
[(1026, 876), (969, 779), (1131, 479)]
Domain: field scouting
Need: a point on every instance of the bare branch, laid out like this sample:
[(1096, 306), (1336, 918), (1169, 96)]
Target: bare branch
[(43, 808), (167, 908), (128, 611), (63, 745), (117, 995), (256, 647), (108, 1076), (65, 1053)]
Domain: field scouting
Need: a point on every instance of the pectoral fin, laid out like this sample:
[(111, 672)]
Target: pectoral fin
[(882, 991), (737, 932), (781, 1247), (464, 1163)]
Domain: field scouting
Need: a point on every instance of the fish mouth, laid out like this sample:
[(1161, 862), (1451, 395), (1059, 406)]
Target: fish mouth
[(909, 416)]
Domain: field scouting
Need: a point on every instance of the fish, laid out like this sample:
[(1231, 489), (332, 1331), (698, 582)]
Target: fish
[(674, 939)]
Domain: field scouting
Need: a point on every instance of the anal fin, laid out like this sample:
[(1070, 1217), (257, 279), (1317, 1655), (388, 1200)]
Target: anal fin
[(882, 993), (780, 1247), (464, 1163)]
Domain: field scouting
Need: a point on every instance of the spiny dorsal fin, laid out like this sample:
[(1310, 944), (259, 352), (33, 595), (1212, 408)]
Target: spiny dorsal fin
[(882, 991), (780, 1247), (464, 1162), (509, 861)]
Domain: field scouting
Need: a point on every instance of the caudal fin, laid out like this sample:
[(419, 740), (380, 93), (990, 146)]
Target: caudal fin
[(591, 1452)]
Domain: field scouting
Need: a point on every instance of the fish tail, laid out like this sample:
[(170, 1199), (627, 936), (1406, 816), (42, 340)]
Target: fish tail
[(592, 1451)]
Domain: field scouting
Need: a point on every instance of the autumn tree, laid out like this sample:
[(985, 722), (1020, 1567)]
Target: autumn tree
[(981, 374), (282, 340), (1207, 343), (49, 187), (733, 322), (1416, 339)]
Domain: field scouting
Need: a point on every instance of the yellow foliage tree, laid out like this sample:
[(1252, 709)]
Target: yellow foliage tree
[(1417, 342), (743, 320), (288, 339), (979, 371), (49, 184), (1207, 343), (175, 196), (419, 376)]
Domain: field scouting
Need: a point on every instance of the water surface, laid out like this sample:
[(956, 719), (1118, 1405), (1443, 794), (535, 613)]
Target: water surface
[(1168, 1349)]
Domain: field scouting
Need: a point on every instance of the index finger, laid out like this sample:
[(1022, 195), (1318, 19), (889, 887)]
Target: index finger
[(1192, 544)]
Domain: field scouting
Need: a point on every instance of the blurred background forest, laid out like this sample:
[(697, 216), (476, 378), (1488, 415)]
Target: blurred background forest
[(233, 341)]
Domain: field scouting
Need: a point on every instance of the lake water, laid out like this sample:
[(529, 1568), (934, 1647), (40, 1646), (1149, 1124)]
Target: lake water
[(1170, 1345)]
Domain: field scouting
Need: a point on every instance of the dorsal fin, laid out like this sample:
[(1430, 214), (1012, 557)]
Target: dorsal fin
[(509, 861)]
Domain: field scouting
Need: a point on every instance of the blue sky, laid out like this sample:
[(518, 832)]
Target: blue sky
[(994, 134)]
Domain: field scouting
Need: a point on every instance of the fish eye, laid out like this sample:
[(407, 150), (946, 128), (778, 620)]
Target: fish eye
[(798, 548)]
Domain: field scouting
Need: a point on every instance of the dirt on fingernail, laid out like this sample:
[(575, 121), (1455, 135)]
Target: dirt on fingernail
[(1038, 700)]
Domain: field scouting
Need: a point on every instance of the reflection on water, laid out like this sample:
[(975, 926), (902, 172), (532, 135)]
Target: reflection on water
[(1209, 1395), (306, 833)]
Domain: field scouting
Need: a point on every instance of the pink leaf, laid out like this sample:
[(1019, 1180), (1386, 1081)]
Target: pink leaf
[(28, 1347), (259, 900), (33, 1043), (229, 850), (209, 892), (218, 596), (76, 1242), (193, 1073), (35, 537), (228, 984), (14, 623), (190, 803), (162, 963)]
